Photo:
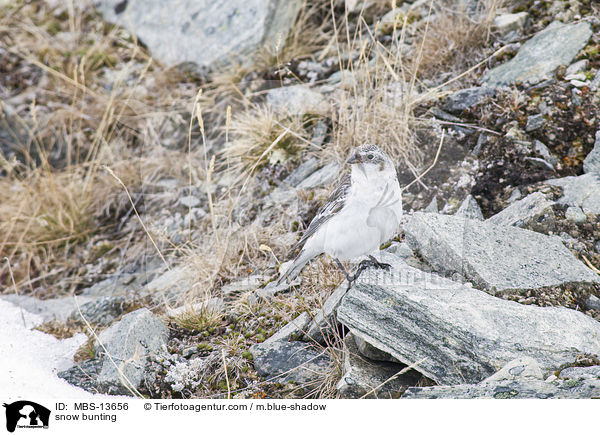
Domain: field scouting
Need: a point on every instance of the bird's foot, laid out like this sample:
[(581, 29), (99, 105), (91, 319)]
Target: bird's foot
[(371, 262)]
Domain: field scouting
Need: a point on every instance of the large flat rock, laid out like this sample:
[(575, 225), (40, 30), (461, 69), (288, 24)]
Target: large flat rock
[(125, 347), (495, 258), (522, 212), (537, 59), (456, 333), (206, 32)]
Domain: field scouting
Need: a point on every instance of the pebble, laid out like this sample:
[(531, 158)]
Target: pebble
[(575, 214)]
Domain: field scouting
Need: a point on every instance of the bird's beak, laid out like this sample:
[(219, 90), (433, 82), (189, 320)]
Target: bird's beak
[(354, 159)]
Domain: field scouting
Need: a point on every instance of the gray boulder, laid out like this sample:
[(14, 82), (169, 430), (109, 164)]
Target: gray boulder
[(467, 98), (206, 32), (537, 59), (282, 360), (591, 164), (59, 309), (470, 209), (457, 334), (521, 212), (364, 378), (297, 100), (522, 389), (125, 347), (581, 191), (495, 258), (591, 372)]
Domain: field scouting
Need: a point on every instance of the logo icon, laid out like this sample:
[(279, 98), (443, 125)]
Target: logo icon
[(26, 414)]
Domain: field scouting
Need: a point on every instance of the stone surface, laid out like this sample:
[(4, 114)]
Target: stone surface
[(575, 215), (537, 59), (455, 333), (102, 311), (129, 342), (591, 372), (577, 67), (320, 177), (324, 322), (581, 191), (535, 122), (364, 378), (369, 351), (592, 303), (591, 164), (495, 258), (470, 209), (212, 305), (85, 375), (522, 389), (297, 100), (520, 368), (544, 152), (58, 309), (467, 98), (283, 361), (301, 172), (208, 33), (522, 212), (433, 206), (249, 283), (506, 23)]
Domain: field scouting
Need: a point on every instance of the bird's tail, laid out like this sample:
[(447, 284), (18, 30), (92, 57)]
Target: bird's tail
[(295, 268)]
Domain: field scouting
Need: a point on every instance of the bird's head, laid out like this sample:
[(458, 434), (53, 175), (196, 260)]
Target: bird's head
[(369, 158)]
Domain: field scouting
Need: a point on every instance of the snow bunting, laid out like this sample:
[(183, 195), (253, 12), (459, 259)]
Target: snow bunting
[(362, 213)]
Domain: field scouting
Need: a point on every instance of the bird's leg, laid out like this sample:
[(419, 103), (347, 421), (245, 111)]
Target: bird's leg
[(371, 262), (343, 269)]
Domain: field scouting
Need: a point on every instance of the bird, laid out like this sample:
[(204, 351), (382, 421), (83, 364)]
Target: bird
[(361, 214)]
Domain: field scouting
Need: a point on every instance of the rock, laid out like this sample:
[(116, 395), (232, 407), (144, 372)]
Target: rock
[(535, 122), (102, 311), (59, 309), (577, 67), (297, 100), (168, 286), (595, 83), (544, 152), (283, 361), (521, 368), (495, 258), (591, 372), (455, 333), (433, 206), (591, 164), (249, 283), (207, 33), (128, 343), (540, 163), (212, 305), (85, 375), (593, 303), (507, 23), (400, 249), (189, 201), (520, 213), (367, 350), (522, 389), (576, 215), (301, 172), (467, 98), (470, 209), (537, 59), (363, 378), (324, 323), (272, 289), (323, 176), (581, 191)]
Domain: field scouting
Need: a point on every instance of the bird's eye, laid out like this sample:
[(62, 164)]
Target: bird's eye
[(370, 156)]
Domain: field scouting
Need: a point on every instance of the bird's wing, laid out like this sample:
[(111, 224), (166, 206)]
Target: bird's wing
[(334, 204)]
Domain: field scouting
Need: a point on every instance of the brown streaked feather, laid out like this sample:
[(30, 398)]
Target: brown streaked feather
[(334, 204)]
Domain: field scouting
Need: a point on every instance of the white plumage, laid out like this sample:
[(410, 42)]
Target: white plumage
[(362, 213)]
